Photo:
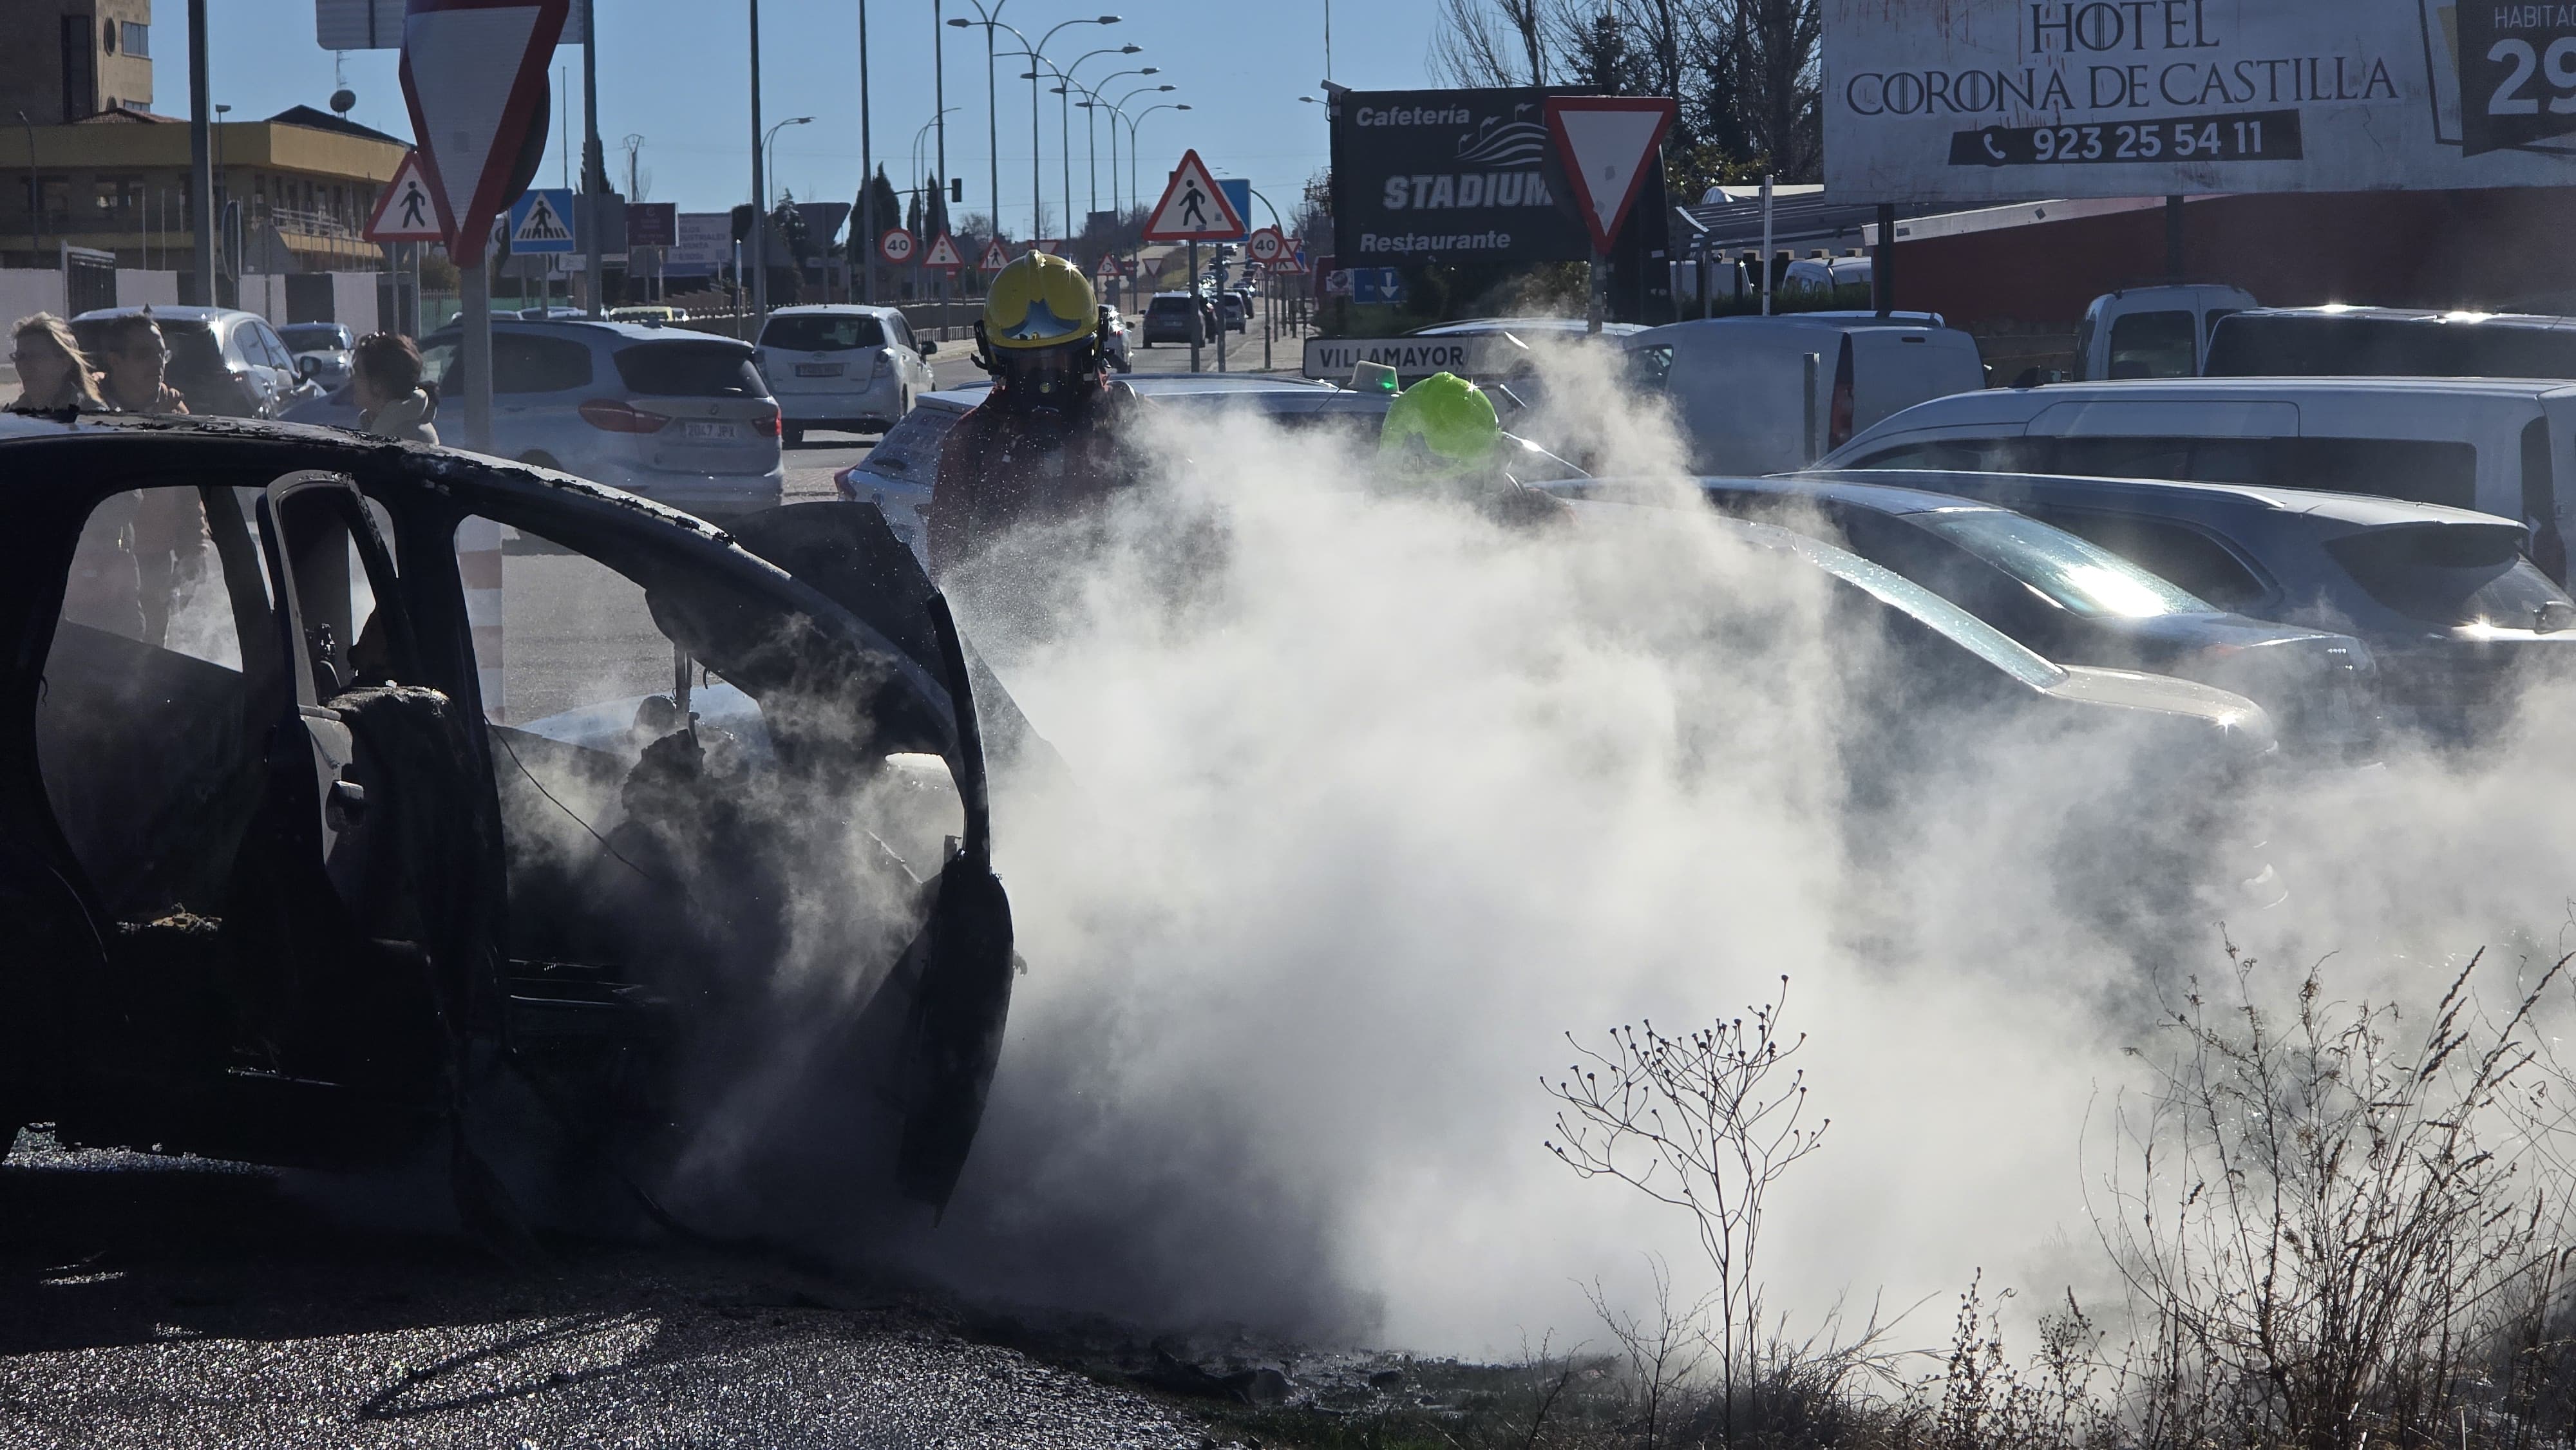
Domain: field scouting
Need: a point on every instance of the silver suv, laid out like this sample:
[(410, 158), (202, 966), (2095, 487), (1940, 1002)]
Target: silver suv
[(679, 417)]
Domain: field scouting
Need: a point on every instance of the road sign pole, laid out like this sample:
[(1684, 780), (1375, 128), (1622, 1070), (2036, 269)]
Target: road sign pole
[(474, 285), (1194, 307), (1600, 293), (594, 165)]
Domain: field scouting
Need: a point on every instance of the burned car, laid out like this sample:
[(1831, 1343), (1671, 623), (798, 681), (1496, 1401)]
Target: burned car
[(279, 889)]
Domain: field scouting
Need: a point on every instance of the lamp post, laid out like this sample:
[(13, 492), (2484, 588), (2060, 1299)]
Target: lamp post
[(1118, 112), (35, 199), (759, 193), (1131, 140), (1098, 105), (1037, 53), (1067, 76), (867, 164), (760, 223), (992, 129)]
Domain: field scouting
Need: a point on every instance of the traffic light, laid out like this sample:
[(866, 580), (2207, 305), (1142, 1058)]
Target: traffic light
[(956, 188), (742, 222)]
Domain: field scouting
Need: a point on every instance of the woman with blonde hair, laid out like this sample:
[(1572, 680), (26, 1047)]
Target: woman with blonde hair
[(54, 375)]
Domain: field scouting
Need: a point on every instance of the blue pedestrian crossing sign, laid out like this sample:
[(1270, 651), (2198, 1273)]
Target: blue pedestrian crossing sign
[(541, 222)]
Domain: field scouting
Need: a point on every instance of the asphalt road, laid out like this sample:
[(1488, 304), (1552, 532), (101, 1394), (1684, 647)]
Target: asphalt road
[(152, 1303)]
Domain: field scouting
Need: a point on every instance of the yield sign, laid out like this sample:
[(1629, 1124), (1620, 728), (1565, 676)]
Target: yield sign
[(1194, 208), (474, 78), (1605, 142), (405, 212), (995, 257), (1052, 246), (943, 253)]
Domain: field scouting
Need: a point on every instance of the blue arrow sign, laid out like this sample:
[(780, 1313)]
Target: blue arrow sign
[(1238, 194)]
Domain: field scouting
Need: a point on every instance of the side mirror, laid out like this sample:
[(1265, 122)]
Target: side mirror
[(924, 346), (307, 367)]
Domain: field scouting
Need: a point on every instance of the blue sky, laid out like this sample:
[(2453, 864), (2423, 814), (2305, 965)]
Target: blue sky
[(676, 72)]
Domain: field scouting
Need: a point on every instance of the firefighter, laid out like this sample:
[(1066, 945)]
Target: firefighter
[(1044, 444), (1442, 434)]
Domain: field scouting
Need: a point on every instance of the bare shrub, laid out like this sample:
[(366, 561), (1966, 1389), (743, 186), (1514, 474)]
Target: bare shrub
[(2331, 1232), (1705, 1123)]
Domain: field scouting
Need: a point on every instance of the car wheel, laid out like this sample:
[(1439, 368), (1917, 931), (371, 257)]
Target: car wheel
[(791, 437)]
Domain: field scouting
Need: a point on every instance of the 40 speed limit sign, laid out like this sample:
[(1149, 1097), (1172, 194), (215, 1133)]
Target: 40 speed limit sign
[(1945, 102), (895, 246)]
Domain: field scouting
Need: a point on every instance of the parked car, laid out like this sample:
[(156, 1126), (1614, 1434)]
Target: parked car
[(2493, 446), (321, 351), (285, 896), (2347, 342), (1113, 342), (856, 369), (2074, 602), (2455, 617), (898, 474), (2153, 332), (227, 363), (2171, 760), (681, 418), (1175, 317), (1749, 400)]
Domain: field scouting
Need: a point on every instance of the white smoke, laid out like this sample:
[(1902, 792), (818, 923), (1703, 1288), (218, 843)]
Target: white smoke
[(1371, 800)]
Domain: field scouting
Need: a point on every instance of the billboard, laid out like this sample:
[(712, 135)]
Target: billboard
[(1447, 176), (703, 243), (1949, 101)]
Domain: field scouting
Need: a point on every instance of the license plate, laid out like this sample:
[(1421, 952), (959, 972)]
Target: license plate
[(710, 430), (818, 370)]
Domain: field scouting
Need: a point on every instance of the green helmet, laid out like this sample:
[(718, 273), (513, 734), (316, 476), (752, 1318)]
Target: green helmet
[(1444, 426)]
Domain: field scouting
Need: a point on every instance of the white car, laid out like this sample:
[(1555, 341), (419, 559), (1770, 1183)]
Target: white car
[(1113, 343), (856, 369)]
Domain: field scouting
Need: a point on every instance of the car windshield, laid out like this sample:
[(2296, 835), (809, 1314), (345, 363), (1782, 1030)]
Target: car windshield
[(690, 370), (315, 337), (1936, 613), (823, 332), (2077, 575)]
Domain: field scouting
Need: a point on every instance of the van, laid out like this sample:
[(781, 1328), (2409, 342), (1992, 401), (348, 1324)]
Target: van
[(2350, 342), (2152, 332), (2494, 446), (1765, 394)]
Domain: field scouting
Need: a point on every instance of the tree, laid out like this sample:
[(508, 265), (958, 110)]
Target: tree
[(934, 215)]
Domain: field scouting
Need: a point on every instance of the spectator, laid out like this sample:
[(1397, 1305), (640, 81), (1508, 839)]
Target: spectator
[(138, 362), (54, 375), (386, 379)]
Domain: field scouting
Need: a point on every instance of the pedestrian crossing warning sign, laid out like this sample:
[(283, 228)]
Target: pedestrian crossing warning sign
[(1193, 208), (405, 212), (995, 257), (541, 222)]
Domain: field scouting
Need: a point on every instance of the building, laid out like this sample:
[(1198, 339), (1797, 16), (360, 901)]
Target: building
[(74, 58), (117, 181), (86, 162)]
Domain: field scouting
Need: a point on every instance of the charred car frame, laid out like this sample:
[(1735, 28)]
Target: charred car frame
[(279, 910)]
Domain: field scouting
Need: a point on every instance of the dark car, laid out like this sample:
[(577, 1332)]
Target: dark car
[(2443, 598), (226, 362), (2075, 602), (1236, 311), (2146, 771), (1174, 317), (279, 891)]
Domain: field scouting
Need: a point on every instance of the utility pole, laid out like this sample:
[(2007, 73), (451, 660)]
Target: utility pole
[(594, 163), (201, 152), (866, 253), (759, 194), (939, 104)]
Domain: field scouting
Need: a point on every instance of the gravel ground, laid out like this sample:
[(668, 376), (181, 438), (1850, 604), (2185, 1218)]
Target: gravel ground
[(150, 1302)]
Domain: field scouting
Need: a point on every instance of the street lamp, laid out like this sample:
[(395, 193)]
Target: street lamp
[(1097, 105), (760, 221), (992, 131), (1118, 110), (1131, 140), (1093, 132), (1037, 53)]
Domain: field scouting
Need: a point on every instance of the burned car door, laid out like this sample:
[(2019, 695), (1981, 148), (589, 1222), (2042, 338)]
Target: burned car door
[(952, 991)]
